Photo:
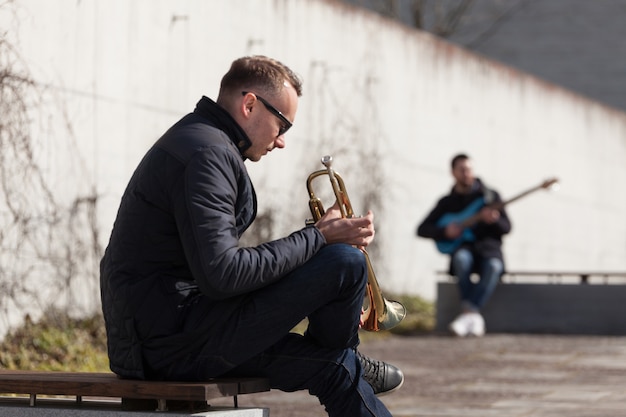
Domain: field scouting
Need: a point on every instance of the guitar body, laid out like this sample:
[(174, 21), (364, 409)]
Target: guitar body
[(449, 246)]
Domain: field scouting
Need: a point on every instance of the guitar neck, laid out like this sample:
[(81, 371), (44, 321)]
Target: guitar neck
[(521, 195), (475, 218), (472, 220)]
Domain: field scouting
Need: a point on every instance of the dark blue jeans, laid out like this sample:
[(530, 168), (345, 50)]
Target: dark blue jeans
[(249, 335), (475, 295)]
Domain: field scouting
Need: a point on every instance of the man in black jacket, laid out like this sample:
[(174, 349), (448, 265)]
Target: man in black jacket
[(183, 301), (468, 224)]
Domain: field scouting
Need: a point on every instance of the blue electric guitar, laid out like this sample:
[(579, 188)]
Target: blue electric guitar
[(470, 215)]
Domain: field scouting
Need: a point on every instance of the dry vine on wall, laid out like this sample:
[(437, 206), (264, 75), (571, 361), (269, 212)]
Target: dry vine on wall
[(48, 242)]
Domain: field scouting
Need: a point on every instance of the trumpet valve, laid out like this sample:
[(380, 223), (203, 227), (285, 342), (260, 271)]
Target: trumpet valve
[(317, 210)]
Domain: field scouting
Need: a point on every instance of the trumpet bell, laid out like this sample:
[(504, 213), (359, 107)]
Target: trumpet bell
[(393, 313)]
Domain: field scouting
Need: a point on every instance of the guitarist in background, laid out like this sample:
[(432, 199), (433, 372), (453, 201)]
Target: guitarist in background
[(465, 226)]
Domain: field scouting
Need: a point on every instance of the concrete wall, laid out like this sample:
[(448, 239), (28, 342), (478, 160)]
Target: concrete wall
[(577, 44), (574, 43), (392, 105)]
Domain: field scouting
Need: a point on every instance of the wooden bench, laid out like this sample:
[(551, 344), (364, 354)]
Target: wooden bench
[(154, 394), (548, 302)]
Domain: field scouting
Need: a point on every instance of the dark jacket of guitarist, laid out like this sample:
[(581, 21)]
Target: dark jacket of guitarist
[(483, 239)]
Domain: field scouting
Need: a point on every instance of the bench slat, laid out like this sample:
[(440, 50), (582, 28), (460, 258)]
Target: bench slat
[(110, 385)]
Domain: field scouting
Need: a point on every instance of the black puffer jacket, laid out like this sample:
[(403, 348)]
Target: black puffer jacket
[(488, 237), (176, 238)]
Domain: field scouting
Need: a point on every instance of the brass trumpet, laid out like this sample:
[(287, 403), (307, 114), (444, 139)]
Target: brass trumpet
[(378, 312)]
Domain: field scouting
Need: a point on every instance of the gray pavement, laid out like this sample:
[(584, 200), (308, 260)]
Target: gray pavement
[(500, 375)]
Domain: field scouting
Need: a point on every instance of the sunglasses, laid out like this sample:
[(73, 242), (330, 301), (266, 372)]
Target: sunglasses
[(286, 124)]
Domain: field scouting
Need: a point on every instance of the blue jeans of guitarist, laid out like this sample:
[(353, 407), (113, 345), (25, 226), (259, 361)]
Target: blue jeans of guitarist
[(474, 295)]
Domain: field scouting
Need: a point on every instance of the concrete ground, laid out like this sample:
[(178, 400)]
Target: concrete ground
[(500, 375)]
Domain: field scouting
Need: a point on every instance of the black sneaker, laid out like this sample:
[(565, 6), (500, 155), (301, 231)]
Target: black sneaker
[(383, 377)]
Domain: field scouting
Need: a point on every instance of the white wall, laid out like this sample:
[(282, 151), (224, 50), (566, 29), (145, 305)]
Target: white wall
[(392, 105)]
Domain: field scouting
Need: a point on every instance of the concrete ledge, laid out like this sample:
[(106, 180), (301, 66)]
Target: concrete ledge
[(582, 309)]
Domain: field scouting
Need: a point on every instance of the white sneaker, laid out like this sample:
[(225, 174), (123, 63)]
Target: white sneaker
[(468, 324), (461, 325), (477, 325)]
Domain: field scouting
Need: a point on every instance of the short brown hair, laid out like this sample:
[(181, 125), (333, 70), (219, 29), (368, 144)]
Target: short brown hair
[(259, 73), (457, 158)]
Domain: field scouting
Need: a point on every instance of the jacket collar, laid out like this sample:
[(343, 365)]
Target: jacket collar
[(222, 120), (477, 188)]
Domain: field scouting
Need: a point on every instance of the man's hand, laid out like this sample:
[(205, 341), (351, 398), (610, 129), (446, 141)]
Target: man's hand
[(361, 321), (453, 230), (489, 215), (357, 231)]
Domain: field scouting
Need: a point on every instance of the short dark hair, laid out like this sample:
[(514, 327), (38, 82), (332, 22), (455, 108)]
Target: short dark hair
[(457, 158), (259, 73)]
